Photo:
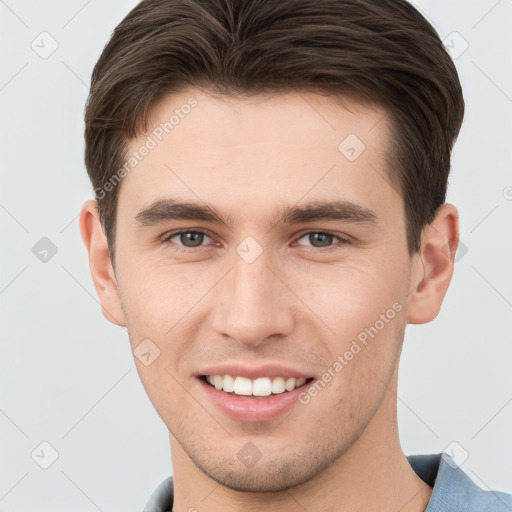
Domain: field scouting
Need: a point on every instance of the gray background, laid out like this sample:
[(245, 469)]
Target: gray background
[(67, 376)]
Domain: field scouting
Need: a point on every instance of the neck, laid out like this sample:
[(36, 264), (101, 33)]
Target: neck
[(374, 474)]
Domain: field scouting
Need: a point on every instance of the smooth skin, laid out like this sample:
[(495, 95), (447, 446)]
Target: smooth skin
[(300, 303)]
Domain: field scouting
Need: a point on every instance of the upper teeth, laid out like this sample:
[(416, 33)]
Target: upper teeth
[(262, 386)]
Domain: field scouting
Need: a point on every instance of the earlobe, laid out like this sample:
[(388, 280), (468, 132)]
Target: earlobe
[(100, 265), (437, 256)]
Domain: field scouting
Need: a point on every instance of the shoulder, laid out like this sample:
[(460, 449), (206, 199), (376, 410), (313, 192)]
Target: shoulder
[(453, 489), (162, 498)]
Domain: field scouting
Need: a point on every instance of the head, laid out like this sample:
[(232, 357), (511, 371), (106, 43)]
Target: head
[(304, 150)]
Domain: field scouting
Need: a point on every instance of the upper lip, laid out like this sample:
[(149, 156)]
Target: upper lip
[(253, 372)]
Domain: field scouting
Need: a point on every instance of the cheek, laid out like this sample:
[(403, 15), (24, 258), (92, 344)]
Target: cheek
[(348, 296), (161, 305), (155, 297), (362, 308)]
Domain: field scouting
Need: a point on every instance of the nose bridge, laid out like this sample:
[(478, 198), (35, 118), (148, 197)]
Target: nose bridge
[(254, 302)]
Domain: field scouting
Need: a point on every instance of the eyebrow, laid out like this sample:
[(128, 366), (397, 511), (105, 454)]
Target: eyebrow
[(169, 209)]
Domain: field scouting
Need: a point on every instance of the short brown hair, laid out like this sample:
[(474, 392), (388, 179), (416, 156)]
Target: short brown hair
[(383, 51)]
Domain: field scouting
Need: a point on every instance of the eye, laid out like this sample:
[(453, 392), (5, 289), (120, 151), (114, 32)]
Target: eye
[(194, 239), (188, 239), (320, 239)]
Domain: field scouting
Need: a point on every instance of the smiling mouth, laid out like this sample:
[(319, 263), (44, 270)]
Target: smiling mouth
[(260, 387)]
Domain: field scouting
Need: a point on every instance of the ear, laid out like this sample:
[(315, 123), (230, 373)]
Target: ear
[(435, 264), (100, 265)]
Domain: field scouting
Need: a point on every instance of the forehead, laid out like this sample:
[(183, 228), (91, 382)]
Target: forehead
[(261, 150)]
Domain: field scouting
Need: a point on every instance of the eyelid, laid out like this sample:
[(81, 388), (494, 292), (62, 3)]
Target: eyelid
[(323, 231)]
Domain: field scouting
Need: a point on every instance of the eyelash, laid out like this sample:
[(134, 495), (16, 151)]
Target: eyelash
[(342, 241)]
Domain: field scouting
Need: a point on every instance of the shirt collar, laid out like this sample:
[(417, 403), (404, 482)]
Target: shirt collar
[(453, 490)]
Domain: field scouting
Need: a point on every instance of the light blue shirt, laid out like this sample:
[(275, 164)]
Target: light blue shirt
[(453, 490)]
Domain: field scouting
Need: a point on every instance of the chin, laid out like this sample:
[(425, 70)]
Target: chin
[(260, 482), (278, 474)]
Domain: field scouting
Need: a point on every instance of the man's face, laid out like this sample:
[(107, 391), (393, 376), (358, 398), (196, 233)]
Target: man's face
[(263, 296)]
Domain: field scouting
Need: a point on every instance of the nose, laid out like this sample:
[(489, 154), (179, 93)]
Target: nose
[(254, 303)]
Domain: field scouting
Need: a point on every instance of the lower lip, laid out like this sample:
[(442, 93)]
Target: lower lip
[(253, 410)]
